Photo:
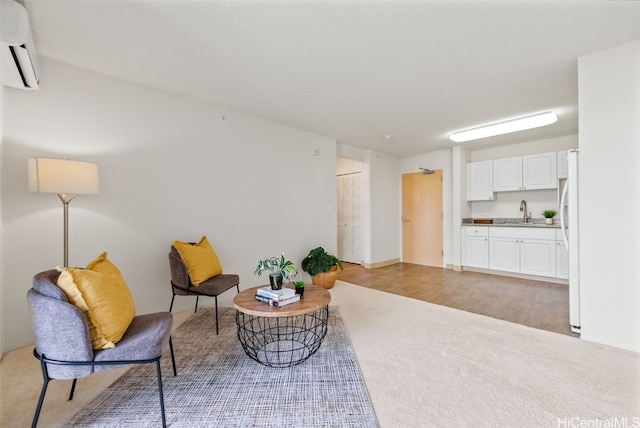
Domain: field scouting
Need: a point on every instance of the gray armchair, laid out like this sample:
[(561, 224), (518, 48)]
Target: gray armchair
[(181, 284), (63, 344)]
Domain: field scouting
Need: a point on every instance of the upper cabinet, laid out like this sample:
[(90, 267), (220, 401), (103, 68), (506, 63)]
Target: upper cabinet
[(507, 174), (479, 181), (540, 171), (525, 172)]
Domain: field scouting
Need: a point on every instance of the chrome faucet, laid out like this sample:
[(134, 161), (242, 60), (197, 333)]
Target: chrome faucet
[(523, 209)]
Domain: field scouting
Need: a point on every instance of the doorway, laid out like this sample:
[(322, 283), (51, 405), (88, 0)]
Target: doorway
[(422, 218)]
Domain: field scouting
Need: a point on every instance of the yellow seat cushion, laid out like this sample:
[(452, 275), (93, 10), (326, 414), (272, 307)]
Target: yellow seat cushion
[(100, 292), (200, 259)]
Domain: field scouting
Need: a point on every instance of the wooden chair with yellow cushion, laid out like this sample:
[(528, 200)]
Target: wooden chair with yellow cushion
[(196, 271), (84, 322)]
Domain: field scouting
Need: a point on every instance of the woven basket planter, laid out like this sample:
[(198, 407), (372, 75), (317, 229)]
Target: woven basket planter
[(326, 279)]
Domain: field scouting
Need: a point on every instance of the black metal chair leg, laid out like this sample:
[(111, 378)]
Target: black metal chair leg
[(172, 299), (73, 389), (197, 298), (159, 372), (173, 358), (43, 391), (216, 314)]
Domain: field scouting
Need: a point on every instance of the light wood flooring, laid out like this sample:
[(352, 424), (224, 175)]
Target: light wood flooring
[(537, 304)]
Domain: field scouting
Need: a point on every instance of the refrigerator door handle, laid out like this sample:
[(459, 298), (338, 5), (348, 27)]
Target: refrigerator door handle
[(563, 227)]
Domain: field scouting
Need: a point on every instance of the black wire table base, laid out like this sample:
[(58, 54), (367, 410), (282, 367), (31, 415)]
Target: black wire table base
[(282, 341)]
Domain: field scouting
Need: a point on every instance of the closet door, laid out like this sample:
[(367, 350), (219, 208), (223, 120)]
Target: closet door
[(356, 238), (345, 236), (349, 236)]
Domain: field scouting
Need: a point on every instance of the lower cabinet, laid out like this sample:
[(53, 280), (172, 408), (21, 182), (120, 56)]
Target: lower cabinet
[(504, 254), (476, 247), (538, 257), (525, 250)]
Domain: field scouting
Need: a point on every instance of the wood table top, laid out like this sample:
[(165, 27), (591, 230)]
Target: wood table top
[(314, 298)]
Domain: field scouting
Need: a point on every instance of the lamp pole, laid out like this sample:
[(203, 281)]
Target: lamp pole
[(66, 198)]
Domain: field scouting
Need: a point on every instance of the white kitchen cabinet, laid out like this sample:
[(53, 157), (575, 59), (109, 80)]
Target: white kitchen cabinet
[(479, 181), (540, 171), (563, 164), (476, 246), (504, 254), (538, 257), (507, 174), (530, 251), (531, 172)]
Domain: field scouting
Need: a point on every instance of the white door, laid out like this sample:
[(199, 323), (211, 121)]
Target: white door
[(349, 235)]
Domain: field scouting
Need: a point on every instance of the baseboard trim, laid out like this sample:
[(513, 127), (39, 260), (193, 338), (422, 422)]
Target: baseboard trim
[(381, 264), (518, 275)]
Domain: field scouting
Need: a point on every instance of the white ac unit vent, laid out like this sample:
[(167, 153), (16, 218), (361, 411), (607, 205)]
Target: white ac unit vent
[(20, 68)]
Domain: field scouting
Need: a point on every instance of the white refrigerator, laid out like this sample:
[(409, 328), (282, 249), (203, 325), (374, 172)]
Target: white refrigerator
[(569, 219)]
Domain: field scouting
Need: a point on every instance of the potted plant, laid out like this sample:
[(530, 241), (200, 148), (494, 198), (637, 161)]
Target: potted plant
[(548, 215), (299, 285), (322, 266), (280, 268)]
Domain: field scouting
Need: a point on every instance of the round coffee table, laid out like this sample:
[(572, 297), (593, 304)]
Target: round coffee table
[(282, 336)]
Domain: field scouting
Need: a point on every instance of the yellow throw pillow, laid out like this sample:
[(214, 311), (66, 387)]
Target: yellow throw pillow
[(100, 292), (201, 261)]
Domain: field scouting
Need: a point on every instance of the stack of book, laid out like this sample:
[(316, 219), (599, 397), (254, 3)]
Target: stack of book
[(282, 297)]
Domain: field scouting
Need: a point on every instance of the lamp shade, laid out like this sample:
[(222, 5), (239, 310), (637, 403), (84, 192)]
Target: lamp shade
[(62, 176)]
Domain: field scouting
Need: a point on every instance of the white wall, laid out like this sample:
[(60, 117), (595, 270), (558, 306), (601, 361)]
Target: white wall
[(348, 166), (170, 168), (609, 195), (382, 242), (460, 206), (435, 160)]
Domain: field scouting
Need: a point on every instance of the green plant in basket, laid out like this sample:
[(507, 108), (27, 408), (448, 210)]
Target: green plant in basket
[(319, 260)]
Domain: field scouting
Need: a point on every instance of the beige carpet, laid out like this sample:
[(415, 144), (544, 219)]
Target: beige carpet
[(426, 365), (429, 365)]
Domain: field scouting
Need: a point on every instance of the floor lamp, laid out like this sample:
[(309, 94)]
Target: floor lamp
[(66, 178)]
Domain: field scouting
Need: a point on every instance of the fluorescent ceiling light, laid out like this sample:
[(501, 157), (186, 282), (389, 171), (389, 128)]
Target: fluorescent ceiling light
[(505, 127)]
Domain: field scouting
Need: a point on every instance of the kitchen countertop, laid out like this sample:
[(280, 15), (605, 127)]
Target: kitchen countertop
[(514, 222)]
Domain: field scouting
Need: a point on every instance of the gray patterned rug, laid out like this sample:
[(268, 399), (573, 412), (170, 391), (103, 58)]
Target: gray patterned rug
[(218, 385)]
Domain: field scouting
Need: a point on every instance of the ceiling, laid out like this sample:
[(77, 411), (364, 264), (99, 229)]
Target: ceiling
[(351, 70)]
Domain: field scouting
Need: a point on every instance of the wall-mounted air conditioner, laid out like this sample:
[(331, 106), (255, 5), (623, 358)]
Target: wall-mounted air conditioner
[(20, 68)]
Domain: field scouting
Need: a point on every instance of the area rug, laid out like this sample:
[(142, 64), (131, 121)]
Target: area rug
[(218, 385)]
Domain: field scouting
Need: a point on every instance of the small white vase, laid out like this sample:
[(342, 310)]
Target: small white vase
[(548, 220)]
